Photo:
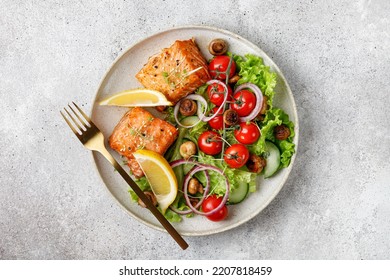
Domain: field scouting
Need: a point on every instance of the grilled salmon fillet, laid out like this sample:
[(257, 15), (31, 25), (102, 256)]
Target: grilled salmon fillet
[(139, 129), (176, 71)]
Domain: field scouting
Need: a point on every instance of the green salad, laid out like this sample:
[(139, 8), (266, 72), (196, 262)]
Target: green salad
[(230, 133)]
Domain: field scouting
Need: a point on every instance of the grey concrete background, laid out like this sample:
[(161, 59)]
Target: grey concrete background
[(336, 57)]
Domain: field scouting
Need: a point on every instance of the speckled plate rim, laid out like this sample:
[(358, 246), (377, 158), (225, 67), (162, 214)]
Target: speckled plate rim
[(289, 92)]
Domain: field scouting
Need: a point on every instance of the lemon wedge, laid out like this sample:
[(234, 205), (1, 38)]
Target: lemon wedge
[(160, 176), (141, 97)]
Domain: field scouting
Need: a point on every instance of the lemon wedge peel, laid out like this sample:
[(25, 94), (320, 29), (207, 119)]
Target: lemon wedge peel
[(140, 97), (160, 176)]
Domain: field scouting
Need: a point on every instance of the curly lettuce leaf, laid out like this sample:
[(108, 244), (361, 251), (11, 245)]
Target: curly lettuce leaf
[(287, 150), (202, 90), (178, 204), (274, 117), (172, 216), (253, 70), (217, 181), (194, 132)]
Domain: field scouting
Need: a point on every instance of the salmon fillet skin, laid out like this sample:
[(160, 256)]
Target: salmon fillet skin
[(139, 129), (177, 71)]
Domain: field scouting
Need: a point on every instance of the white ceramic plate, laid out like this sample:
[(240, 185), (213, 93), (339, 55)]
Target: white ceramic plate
[(121, 76)]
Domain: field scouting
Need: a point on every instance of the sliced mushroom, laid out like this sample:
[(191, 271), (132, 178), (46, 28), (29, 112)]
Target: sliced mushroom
[(187, 149), (230, 117), (194, 186), (255, 163), (281, 132), (188, 107), (234, 79), (218, 47)]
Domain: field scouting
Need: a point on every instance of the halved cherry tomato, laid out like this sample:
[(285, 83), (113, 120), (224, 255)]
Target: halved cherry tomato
[(244, 102), (210, 142), (236, 155), (248, 133), (218, 67), (217, 93), (217, 121), (212, 202)]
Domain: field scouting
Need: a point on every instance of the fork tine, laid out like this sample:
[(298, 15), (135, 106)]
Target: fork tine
[(74, 121), (70, 124), (84, 123), (82, 112)]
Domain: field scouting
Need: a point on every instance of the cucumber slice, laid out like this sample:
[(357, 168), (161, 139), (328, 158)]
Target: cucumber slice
[(239, 193), (273, 159), (191, 120)]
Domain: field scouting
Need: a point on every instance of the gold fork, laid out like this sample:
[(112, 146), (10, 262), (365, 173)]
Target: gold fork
[(92, 138)]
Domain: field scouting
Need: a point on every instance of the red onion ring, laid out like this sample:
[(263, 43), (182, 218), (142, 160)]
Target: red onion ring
[(259, 100), (188, 202), (187, 179), (197, 168), (205, 192), (176, 109)]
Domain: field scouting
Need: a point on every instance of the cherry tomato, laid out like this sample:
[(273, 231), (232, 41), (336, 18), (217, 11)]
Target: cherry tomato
[(212, 202), (210, 142), (217, 93), (236, 155), (217, 121), (244, 102), (219, 65), (248, 133)]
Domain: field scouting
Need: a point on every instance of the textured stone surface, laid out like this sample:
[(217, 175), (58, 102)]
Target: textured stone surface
[(336, 57)]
